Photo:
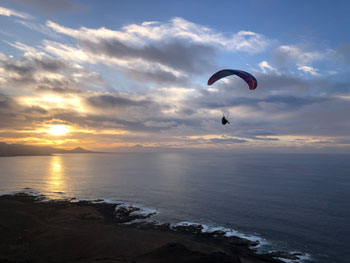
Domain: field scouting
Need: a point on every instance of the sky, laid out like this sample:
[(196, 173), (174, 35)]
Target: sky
[(118, 75)]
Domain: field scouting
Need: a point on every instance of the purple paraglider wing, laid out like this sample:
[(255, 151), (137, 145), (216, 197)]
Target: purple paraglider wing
[(248, 78)]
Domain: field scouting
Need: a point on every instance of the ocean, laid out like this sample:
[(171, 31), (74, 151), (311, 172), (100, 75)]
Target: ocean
[(289, 202)]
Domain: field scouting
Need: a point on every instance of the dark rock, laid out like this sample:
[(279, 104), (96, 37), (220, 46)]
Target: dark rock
[(286, 255), (190, 229), (178, 253)]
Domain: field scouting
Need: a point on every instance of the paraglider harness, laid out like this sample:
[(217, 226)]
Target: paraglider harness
[(224, 121)]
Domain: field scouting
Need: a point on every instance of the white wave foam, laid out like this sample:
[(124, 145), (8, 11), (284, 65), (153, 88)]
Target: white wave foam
[(47, 196), (28, 191), (228, 232), (302, 257), (105, 201), (305, 257), (141, 209)]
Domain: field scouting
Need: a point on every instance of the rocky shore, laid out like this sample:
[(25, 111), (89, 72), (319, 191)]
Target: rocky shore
[(33, 230)]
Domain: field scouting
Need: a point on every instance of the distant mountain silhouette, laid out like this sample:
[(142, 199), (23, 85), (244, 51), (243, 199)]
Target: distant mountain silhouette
[(80, 150), (27, 150)]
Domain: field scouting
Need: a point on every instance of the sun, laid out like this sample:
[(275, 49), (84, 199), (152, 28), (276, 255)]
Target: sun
[(58, 130)]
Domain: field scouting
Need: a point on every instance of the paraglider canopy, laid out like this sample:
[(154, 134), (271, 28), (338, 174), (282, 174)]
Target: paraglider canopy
[(248, 78)]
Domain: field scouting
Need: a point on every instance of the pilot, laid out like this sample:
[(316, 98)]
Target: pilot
[(224, 121)]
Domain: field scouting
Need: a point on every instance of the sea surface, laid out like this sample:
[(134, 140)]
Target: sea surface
[(290, 202)]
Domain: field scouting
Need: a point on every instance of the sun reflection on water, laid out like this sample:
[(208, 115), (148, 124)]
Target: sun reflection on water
[(56, 180)]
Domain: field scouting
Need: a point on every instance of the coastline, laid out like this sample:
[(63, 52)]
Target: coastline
[(35, 230)]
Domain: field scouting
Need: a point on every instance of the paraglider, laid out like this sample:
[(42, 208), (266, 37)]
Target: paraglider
[(248, 78)]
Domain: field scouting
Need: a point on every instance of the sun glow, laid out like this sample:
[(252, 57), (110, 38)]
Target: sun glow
[(58, 130)]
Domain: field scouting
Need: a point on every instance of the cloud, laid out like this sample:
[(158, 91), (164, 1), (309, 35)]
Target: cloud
[(169, 52), (16, 116), (177, 28), (171, 61), (327, 118), (283, 84), (57, 86), (38, 72), (226, 140), (156, 75), (300, 55), (280, 103), (107, 101), (5, 102), (265, 139), (70, 53), (266, 67), (39, 28), (172, 54), (315, 60), (9, 12), (345, 141), (246, 41), (28, 66), (343, 53), (28, 70), (141, 68), (310, 70)]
